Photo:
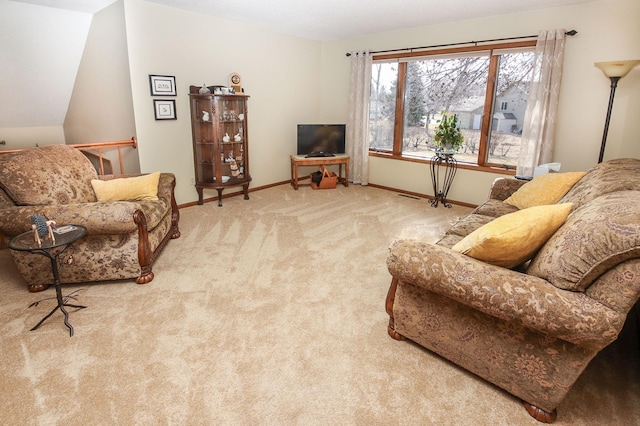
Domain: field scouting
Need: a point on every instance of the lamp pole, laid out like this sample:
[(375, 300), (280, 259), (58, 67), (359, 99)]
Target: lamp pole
[(614, 84)]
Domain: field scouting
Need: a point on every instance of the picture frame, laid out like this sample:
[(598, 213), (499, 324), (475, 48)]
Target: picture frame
[(164, 109), (162, 85)]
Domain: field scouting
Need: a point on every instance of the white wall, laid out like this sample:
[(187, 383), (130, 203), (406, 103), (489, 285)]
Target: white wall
[(101, 106), (607, 30), (280, 73), (28, 137), (40, 49)]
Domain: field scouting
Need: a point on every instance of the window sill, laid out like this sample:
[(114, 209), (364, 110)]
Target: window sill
[(487, 169)]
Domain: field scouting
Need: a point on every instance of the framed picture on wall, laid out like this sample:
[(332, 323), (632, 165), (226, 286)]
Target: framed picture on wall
[(164, 109), (162, 85)]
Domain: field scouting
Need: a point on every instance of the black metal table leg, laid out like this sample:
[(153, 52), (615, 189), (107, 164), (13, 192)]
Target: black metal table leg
[(59, 297), (52, 247), (450, 168)]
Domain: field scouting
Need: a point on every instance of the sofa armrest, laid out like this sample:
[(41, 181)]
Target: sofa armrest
[(502, 188), (114, 217), (506, 294), (166, 186)]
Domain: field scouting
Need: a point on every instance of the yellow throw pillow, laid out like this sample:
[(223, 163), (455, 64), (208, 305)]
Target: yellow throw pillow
[(127, 189), (544, 189), (514, 238)]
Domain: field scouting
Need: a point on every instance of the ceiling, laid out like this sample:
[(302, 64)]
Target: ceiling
[(326, 20)]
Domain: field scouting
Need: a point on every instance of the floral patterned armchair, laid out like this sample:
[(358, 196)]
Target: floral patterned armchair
[(532, 330), (123, 237)]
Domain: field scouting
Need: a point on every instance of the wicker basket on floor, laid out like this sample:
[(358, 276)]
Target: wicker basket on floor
[(328, 181)]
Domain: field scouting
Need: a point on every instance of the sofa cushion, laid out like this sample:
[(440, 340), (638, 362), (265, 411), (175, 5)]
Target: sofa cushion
[(597, 237), (494, 208), (449, 240), (502, 187), (5, 200), (622, 174), (136, 188), (48, 175), (544, 189), (467, 224), (513, 239)]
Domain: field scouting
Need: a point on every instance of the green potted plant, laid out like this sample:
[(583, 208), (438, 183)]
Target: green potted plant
[(448, 136)]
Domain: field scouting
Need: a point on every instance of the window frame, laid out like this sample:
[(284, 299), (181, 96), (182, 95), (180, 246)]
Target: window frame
[(402, 58)]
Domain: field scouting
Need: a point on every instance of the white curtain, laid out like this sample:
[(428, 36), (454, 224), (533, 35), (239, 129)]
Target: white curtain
[(536, 146), (358, 123)]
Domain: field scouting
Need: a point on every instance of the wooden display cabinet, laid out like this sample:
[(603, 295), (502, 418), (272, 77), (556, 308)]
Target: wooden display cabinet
[(220, 141)]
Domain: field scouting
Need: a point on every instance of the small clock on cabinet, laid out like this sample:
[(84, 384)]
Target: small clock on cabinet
[(235, 82)]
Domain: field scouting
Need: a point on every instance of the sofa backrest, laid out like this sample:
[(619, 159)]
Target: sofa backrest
[(622, 174), (5, 200), (596, 237), (48, 175)]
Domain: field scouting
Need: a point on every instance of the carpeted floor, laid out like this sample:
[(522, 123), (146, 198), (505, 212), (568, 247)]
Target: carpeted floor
[(266, 312)]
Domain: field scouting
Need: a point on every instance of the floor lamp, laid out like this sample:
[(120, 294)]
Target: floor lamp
[(615, 70)]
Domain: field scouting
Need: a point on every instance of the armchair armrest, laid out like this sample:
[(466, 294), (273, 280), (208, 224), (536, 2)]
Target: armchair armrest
[(506, 294), (502, 188)]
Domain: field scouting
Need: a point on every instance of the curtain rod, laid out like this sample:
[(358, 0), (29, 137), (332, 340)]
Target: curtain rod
[(411, 49)]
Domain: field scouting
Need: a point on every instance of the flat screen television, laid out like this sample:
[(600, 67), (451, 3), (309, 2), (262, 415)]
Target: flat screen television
[(314, 139)]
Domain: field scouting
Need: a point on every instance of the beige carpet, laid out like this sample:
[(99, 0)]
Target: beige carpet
[(266, 312)]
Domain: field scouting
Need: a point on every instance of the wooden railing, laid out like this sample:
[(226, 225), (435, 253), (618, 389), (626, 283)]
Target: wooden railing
[(99, 147)]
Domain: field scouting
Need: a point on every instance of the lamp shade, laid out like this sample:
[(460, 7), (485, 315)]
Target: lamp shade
[(617, 68)]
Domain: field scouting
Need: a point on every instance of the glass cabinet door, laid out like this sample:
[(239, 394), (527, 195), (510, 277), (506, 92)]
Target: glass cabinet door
[(203, 139), (233, 136)]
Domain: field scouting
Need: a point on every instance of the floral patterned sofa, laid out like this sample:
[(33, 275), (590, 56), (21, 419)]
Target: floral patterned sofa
[(123, 237), (533, 329)]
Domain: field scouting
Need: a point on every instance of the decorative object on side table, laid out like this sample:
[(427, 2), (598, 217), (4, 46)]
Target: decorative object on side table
[(42, 228), (448, 136), (51, 248)]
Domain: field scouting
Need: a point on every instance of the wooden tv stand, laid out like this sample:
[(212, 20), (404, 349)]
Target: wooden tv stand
[(301, 160)]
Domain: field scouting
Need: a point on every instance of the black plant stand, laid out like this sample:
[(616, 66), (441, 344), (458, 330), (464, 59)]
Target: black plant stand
[(442, 158), (52, 250)]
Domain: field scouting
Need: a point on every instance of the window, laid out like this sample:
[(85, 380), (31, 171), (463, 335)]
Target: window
[(486, 87), (382, 107)]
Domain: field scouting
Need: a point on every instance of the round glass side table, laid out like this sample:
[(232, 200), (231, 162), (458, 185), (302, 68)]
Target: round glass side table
[(52, 250)]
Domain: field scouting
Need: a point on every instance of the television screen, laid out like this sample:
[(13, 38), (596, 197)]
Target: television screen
[(321, 138)]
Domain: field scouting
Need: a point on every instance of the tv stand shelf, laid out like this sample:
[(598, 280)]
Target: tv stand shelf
[(301, 160)]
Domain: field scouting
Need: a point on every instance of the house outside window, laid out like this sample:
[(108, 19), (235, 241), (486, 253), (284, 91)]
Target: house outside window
[(487, 88)]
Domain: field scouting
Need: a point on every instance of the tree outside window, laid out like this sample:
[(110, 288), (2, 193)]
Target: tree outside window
[(487, 90)]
